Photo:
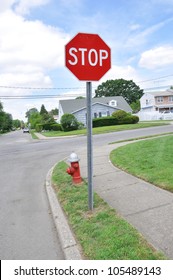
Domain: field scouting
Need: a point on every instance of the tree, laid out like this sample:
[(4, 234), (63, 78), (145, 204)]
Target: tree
[(80, 97), (54, 112), (43, 110), (6, 122), (120, 87), (16, 123), (1, 107), (30, 112), (35, 119), (69, 122)]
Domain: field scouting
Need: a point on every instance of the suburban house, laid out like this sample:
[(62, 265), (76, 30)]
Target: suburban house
[(101, 107), (156, 105), (160, 101)]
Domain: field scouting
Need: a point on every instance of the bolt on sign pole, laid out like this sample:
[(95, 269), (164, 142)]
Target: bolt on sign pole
[(89, 145)]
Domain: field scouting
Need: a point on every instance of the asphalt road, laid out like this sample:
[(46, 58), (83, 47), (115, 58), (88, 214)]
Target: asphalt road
[(27, 230)]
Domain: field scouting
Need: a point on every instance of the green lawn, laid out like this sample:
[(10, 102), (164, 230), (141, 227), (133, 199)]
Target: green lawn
[(102, 234), (106, 129), (150, 160)]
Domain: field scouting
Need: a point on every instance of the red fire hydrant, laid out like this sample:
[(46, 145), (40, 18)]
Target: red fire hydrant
[(74, 170)]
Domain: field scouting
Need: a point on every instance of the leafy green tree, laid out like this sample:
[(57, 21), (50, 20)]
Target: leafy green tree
[(30, 112), (1, 107), (46, 117), (135, 106), (69, 122), (16, 123), (35, 119), (6, 122), (54, 112), (80, 97), (120, 87), (43, 110)]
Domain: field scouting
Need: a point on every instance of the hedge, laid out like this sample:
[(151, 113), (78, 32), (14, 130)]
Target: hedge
[(106, 121), (48, 126)]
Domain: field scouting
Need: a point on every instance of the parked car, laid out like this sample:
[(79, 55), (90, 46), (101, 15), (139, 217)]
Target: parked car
[(26, 130)]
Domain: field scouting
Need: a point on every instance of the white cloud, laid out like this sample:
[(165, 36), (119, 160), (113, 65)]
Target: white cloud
[(28, 50), (157, 57), (23, 6), (141, 37), (121, 72)]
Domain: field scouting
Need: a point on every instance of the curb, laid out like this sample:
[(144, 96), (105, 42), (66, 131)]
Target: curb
[(67, 240)]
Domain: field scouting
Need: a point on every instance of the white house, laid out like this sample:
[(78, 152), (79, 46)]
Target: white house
[(101, 107), (160, 101), (155, 105)]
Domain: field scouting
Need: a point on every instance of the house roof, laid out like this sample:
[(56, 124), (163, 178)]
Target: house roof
[(161, 93), (73, 105)]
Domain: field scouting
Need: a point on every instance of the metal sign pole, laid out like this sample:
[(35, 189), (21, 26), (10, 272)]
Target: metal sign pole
[(89, 145)]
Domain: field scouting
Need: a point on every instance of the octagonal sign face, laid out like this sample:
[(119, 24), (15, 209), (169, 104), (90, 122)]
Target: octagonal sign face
[(88, 57)]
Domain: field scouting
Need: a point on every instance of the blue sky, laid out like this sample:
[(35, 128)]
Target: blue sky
[(34, 33)]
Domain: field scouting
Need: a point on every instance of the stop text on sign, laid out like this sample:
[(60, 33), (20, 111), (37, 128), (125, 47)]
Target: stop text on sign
[(87, 56), (84, 56)]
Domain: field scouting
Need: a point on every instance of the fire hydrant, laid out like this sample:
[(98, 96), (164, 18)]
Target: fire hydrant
[(74, 170)]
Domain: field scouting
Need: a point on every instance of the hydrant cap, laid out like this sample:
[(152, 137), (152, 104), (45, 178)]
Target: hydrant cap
[(73, 157)]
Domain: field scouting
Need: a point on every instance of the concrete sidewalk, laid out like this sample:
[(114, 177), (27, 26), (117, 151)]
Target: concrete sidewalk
[(148, 208)]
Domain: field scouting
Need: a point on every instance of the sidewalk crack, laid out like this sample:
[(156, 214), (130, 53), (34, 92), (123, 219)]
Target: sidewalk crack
[(148, 209)]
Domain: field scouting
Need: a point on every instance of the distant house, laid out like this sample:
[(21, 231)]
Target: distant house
[(156, 105), (101, 107), (160, 101)]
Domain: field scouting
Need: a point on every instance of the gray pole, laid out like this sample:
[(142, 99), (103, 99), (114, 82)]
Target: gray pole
[(89, 145)]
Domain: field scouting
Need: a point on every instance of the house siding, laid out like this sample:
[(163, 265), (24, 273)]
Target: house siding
[(97, 109)]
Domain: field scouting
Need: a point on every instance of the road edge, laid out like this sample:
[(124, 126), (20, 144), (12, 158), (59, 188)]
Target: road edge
[(67, 240)]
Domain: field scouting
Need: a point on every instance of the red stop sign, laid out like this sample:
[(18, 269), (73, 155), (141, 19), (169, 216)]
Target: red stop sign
[(88, 57)]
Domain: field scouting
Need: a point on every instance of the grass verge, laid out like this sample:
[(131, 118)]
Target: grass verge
[(141, 138), (105, 129), (150, 160), (102, 234)]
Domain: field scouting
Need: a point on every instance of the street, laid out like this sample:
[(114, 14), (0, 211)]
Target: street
[(27, 230)]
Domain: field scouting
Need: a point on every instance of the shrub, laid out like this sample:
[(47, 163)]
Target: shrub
[(69, 122), (119, 114), (38, 127), (118, 117), (56, 127), (135, 119), (104, 121)]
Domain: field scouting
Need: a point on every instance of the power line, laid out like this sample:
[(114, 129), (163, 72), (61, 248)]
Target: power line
[(39, 88), (38, 96), (155, 79), (69, 88)]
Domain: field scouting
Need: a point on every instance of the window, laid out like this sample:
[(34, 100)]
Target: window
[(159, 99), (113, 103), (171, 98)]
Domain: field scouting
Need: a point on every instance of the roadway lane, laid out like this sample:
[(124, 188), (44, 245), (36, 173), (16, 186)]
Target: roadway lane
[(26, 226)]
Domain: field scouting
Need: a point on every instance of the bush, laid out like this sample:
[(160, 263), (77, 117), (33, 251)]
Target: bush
[(119, 114), (69, 122), (38, 127), (135, 119), (117, 118), (56, 127), (104, 121)]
